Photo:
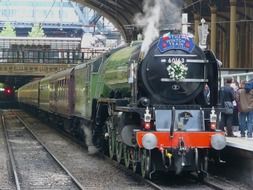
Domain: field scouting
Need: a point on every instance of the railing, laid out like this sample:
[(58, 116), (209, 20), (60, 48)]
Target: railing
[(36, 69), (48, 56), (41, 42), (237, 77)]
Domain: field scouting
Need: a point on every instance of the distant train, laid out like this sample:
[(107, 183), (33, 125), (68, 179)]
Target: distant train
[(6, 93), (7, 97), (149, 111)]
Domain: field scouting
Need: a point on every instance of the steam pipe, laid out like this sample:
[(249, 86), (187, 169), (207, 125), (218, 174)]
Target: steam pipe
[(172, 122)]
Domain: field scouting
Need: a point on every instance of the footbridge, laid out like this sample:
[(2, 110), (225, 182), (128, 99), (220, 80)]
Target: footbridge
[(28, 57), (28, 69)]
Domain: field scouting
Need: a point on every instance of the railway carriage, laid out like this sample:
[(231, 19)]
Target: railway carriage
[(29, 94), (82, 91), (44, 96), (148, 111), (61, 94)]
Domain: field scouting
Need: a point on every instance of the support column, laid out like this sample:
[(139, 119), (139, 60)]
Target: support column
[(250, 60), (219, 34), (245, 61), (242, 45), (225, 50), (233, 47), (213, 28), (223, 41), (221, 45), (196, 24)]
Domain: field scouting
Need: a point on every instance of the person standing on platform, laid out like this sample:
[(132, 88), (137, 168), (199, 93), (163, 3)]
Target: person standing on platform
[(235, 85), (242, 120), (245, 99), (227, 96), (207, 94)]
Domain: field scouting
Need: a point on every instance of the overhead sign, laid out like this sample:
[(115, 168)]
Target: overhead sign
[(175, 41)]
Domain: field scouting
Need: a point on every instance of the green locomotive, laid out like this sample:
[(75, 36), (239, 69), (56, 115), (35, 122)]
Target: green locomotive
[(148, 110)]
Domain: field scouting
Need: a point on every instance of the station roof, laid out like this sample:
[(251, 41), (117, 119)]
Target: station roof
[(122, 12)]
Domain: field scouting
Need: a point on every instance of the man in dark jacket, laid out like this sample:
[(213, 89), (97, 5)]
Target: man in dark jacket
[(227, 94)]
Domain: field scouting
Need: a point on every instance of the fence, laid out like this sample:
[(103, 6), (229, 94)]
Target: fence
[(48, 56), (237, 76)]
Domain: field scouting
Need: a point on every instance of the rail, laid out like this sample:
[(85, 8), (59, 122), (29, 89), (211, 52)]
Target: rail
[(14, 167), (11, 155)]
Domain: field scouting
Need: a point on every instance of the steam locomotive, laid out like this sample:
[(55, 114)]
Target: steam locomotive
[(147, 110)]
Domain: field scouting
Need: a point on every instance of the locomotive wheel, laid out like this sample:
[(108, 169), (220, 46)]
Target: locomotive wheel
[(145, 163), (126, 154), (119, 147), (135, 160), (111, 143)]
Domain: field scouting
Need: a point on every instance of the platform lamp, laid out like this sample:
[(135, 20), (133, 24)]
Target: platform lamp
[(203, 32), (185, 23)]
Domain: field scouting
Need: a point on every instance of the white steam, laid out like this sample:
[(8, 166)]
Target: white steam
[(88, 140), (157, 15), (150, 22)]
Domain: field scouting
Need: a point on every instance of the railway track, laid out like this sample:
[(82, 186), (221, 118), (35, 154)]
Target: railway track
[(33, 165), (93, 172), (164, 182)]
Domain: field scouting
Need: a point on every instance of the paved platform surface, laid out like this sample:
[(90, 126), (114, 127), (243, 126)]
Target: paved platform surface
[(244, 143)]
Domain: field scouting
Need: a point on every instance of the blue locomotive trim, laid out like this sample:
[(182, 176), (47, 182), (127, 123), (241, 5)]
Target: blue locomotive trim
[(175, 41)]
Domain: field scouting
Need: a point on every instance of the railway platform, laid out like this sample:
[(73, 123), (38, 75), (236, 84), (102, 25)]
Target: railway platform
[(238, 157), (239, 142)]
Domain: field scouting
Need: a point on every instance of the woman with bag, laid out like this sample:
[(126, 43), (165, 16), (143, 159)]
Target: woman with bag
[(227, 96)]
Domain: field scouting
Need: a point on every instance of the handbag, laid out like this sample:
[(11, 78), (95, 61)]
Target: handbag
[(229, 107)]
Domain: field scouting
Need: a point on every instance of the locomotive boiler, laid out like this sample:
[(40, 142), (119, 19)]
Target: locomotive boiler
[(152, 77), (147, 110)]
